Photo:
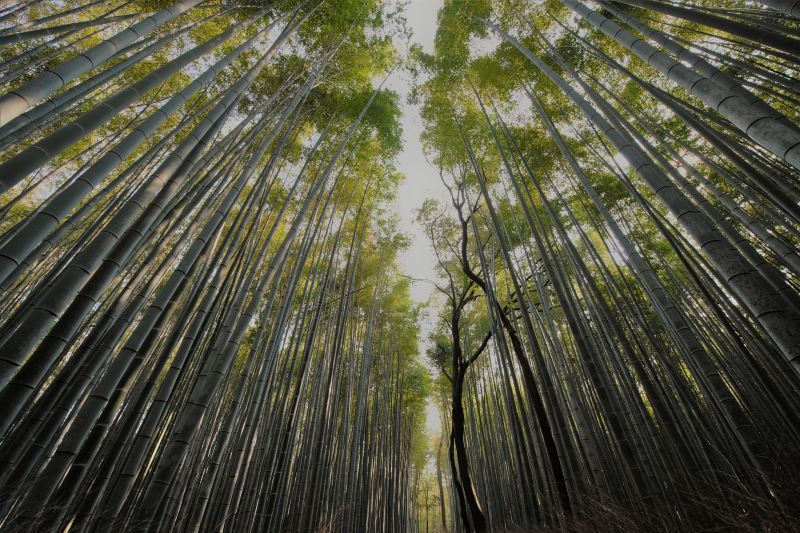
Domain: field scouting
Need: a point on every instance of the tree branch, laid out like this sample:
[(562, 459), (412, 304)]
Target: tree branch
[(481, 348)]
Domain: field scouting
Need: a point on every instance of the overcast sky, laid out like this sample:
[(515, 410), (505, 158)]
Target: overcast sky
[(421, 179)]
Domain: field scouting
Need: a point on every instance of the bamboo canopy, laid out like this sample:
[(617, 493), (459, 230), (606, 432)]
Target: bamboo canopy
[(205, 325)]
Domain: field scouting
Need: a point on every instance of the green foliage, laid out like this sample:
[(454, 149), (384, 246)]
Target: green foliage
[(344, 106), (459, 22)]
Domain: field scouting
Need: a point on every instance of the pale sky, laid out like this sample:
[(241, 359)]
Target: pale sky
[(421, 179)]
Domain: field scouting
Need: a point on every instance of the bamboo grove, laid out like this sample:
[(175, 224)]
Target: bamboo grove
[(618, 336), (203, 323)]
